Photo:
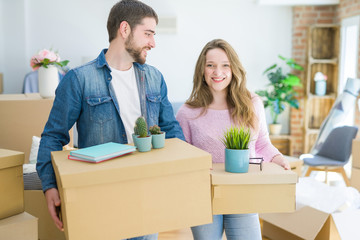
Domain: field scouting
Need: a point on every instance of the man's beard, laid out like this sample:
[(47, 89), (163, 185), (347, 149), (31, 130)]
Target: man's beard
[(134, 52)]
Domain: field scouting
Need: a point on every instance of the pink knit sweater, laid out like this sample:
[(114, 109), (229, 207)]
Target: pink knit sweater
[(205, 131)]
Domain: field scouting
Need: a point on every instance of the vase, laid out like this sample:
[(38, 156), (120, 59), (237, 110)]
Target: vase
[(48, 81), (320, 87), (275, 129), (158, 140), (237, 160)]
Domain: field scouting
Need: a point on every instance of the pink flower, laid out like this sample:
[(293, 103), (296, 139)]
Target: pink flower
[(53, 57), (44, 58)]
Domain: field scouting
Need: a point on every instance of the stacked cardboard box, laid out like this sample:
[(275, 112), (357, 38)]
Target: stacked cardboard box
[(22, 117), (355, 171), (246, 193), (134, 195), (11, 183), (15, 224)]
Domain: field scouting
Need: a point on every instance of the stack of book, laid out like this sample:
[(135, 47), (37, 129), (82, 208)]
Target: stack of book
[(101, 152)]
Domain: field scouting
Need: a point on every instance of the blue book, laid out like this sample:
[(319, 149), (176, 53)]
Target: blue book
[(101, 152)]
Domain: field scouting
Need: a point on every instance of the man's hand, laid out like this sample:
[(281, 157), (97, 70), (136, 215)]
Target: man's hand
[(53, 201), (280, 160)]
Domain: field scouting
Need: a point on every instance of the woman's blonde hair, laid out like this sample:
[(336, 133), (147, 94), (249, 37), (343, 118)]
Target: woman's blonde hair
[(238, 97)]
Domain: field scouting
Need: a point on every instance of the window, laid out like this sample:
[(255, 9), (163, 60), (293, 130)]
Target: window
[(349, 50)]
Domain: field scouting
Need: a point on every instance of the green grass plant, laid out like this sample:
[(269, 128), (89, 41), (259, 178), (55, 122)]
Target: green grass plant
[(236, 137)]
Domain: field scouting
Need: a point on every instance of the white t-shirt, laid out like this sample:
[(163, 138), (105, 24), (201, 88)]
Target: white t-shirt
[(127, 95)]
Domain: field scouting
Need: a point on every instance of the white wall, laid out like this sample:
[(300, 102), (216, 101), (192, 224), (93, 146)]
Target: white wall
[(77, 29), (1, 38)]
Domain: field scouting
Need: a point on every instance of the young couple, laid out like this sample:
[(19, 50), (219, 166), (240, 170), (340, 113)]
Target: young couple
[(106, 95)]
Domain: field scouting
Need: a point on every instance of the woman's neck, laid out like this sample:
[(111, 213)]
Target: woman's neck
[(219, 101)]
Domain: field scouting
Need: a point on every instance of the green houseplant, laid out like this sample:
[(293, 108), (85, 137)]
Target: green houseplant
[(142, 140), (236, 141), (158, 137), (280, 90)]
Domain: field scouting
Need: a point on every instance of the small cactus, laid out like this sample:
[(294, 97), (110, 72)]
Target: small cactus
[(141, 127), (155, 130), (136, 131)]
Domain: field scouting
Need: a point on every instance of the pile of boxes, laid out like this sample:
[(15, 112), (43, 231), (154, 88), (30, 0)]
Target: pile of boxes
[(15, 224), (355, 171), (28, 113)]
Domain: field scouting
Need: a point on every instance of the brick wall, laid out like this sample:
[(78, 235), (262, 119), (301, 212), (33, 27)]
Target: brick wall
[(303, 17)]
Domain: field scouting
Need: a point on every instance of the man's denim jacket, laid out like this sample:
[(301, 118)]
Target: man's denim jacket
[(85, 96)]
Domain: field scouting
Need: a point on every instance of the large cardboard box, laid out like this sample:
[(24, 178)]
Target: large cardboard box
[(355, 178), (305, 223), (11, 183), (269, 190), (356, 153), (295, 164), (19, 227), (22, 116), (135, 195), (35, 204)]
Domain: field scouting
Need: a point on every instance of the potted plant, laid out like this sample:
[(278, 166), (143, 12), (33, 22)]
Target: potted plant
[(236, 141), (280, 91), (142, 140), (158, 137)]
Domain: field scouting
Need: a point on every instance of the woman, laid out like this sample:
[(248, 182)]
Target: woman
[(220, 99)]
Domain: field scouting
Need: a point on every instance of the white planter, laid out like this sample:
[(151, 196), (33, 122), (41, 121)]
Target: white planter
[(48, 81), (275, 129)]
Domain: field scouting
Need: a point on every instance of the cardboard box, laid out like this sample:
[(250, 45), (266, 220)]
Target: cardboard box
[(305, 223), (356, 153), (269, 190), (355, 178), (295, 164), (22, 116), (35, 204), (11, 183), (136, 194), (19, 227)]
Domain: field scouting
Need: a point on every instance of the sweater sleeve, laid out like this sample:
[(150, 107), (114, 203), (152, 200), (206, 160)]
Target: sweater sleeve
[(183, 120), (263, 145)]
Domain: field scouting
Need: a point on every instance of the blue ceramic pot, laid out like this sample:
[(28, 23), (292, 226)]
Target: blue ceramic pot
[(143, 144), (236, 160), (134, 137), (158, 140)]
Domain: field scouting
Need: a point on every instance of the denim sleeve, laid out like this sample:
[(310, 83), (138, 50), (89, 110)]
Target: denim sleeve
[(64, 113), (167, 121)]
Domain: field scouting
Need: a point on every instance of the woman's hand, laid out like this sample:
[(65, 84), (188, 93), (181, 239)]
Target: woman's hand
[(280, 160)]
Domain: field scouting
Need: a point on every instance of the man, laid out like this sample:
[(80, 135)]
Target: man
[(105, 96)]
